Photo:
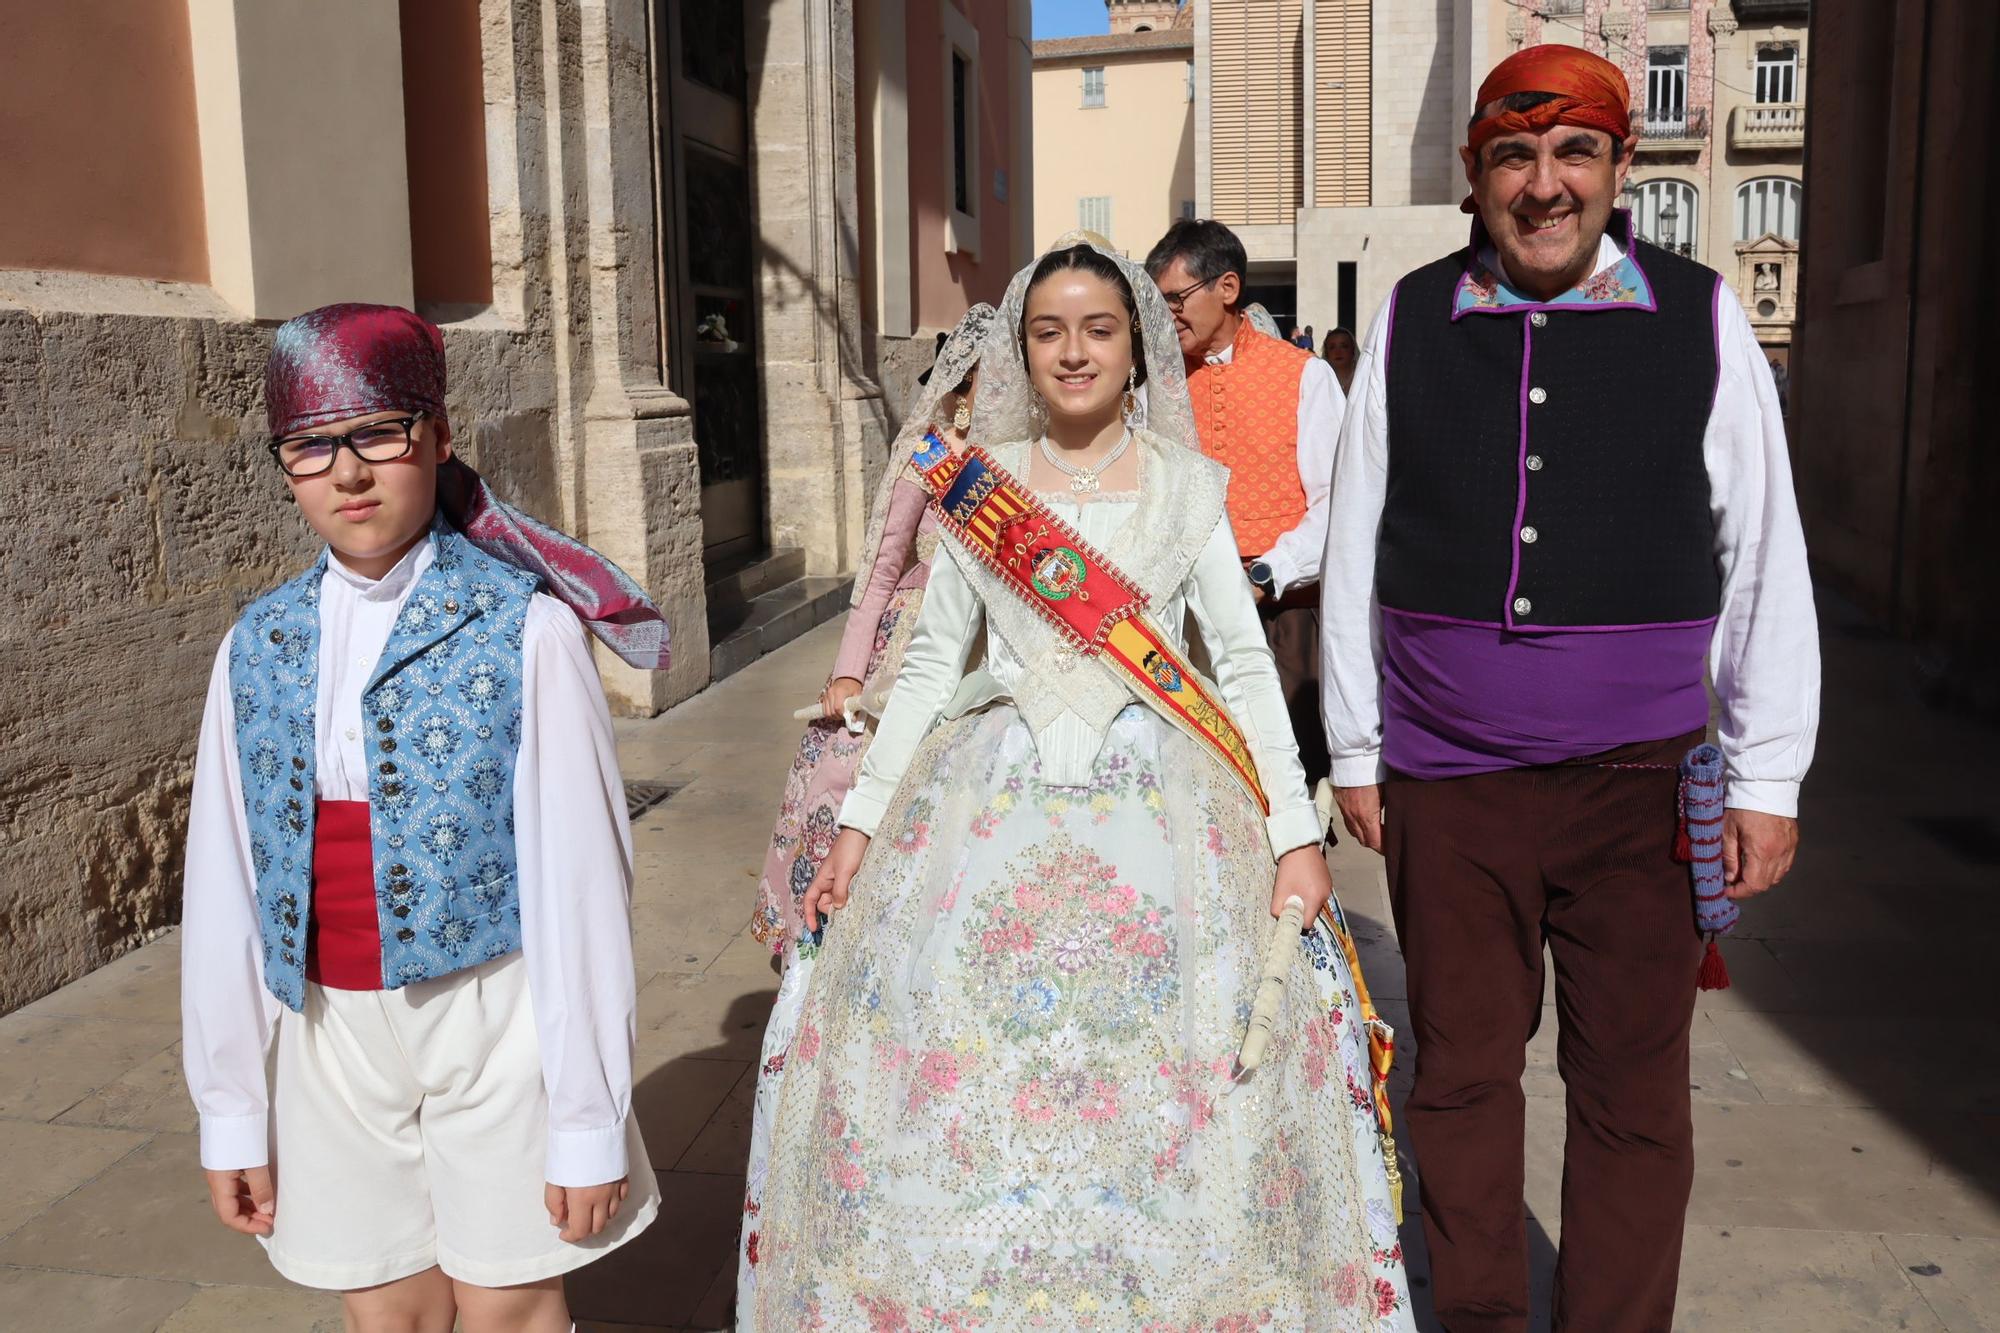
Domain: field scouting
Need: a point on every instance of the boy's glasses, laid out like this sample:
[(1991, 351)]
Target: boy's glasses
[(376, 442)]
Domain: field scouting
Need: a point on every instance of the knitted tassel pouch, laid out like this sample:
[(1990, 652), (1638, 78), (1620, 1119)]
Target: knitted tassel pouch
[(1699, 844)]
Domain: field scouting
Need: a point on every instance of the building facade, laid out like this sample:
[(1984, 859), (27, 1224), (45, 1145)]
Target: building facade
[(1328, 135), (1114, 126), (1719, 91), (1898, 479), (671, 293)]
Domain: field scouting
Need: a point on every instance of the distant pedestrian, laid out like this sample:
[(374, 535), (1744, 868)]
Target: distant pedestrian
[(1341, 351), (409, 871), (1781, 380), (1533, 556)]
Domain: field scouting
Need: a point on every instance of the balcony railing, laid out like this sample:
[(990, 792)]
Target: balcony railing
[(1669, 132), (1768, 125), (1561, 8)]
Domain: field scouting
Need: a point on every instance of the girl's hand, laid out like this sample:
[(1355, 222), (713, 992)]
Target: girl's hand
[(1302, 871), (833, 700), (828, 891)]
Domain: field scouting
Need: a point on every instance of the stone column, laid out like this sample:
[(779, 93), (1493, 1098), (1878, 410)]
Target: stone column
[(823, 420), (641, 482)]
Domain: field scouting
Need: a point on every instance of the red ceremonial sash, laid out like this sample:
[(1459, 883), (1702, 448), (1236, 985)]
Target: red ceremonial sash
[(1097, 610)]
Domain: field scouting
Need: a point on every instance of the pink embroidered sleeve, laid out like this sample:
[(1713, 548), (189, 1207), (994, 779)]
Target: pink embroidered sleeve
[(899, 537)]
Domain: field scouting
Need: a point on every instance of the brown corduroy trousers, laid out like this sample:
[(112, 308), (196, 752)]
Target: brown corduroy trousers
[(1482, 871)]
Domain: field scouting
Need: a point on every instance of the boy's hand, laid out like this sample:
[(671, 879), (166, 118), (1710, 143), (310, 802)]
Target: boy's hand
[(581, 1211), (246, 1200)]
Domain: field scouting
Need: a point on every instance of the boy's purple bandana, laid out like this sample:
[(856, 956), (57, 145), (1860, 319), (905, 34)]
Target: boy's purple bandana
[(348, 360)]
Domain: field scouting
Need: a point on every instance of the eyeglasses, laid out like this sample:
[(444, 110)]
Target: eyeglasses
[(1175, 300), (376, 442)]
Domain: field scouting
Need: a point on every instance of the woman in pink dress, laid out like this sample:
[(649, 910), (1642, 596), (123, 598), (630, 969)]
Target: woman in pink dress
[(895, 564)]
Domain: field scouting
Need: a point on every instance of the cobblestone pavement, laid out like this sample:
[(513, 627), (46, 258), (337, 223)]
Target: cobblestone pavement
[(1847, 1089)]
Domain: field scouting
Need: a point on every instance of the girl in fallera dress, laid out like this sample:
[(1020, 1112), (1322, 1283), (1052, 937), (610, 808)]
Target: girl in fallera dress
[(1009, 1097)]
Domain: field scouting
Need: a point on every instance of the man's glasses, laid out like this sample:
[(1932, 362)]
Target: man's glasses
[(376, 442), (1175, 300)]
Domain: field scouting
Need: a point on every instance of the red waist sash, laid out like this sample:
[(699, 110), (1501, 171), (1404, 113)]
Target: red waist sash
[(343, 932)]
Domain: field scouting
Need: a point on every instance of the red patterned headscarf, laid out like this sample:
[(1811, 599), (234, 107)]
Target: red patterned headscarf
[(348, 360), (1589, 91)]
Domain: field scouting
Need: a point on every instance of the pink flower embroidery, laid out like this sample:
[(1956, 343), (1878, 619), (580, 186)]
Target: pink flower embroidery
[(939, 1069)]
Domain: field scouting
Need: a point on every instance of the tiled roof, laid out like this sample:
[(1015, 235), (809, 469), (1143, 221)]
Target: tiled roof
[(1106, 44)]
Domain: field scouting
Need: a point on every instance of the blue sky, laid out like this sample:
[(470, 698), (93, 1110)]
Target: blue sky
[(1069, 18)]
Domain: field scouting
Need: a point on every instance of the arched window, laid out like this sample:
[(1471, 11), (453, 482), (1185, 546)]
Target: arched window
[(1666, 212), (1768, 205)]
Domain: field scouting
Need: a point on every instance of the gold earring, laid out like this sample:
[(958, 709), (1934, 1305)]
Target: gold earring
[(961, 420), (1132, 393)]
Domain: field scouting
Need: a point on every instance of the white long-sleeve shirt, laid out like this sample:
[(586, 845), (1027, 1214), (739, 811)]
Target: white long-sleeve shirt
[(1295, 557), (1764, 657), (573, 851)]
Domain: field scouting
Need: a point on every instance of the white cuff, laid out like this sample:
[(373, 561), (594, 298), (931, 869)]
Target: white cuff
[(1771, 796), (235, 1142), (1292, 827), (583, 1157), (1283, 572), (861, 812), (1361, 770)]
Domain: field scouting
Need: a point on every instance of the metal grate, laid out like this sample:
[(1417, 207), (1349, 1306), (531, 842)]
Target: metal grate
[(1972, 839), (643, 796)]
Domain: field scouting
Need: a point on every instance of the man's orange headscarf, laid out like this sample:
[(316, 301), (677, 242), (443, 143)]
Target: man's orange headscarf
[(1590, 91)]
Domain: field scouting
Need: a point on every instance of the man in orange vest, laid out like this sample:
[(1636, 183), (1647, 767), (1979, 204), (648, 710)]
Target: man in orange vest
[(1271, 413)]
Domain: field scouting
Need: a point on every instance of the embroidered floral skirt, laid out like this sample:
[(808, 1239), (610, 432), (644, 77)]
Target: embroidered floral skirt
[(822, 773), (999, 1094)]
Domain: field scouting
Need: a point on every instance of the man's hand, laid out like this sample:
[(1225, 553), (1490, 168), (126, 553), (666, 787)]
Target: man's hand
[(1757, 851), (1361, 812), (1257, 593), (1302, 872), (246, 1200), (581, 1211)]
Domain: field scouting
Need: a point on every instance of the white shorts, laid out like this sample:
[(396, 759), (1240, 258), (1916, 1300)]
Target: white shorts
[(409, 1129)]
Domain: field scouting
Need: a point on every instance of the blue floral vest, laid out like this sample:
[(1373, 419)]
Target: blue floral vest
[(442, 714)]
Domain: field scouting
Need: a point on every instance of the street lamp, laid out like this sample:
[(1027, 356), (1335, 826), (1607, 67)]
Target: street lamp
[(1670, 216)]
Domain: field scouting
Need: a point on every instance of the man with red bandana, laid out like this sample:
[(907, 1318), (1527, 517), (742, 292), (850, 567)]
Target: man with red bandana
[(1561, 506)]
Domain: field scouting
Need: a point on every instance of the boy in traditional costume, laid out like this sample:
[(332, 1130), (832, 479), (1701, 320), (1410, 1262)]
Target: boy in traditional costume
[(1562, 492), (409, 871)]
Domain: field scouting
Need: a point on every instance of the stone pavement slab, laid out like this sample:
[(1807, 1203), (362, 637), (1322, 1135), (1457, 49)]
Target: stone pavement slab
[(33, 1298)]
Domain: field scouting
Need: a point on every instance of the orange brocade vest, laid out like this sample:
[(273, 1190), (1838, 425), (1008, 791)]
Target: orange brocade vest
[(1247, 414)]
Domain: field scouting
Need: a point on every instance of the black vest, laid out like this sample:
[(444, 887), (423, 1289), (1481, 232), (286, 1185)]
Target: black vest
[(1546, 473)]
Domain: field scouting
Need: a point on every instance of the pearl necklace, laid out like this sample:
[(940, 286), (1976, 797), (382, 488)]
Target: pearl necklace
[(1084, 480)]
